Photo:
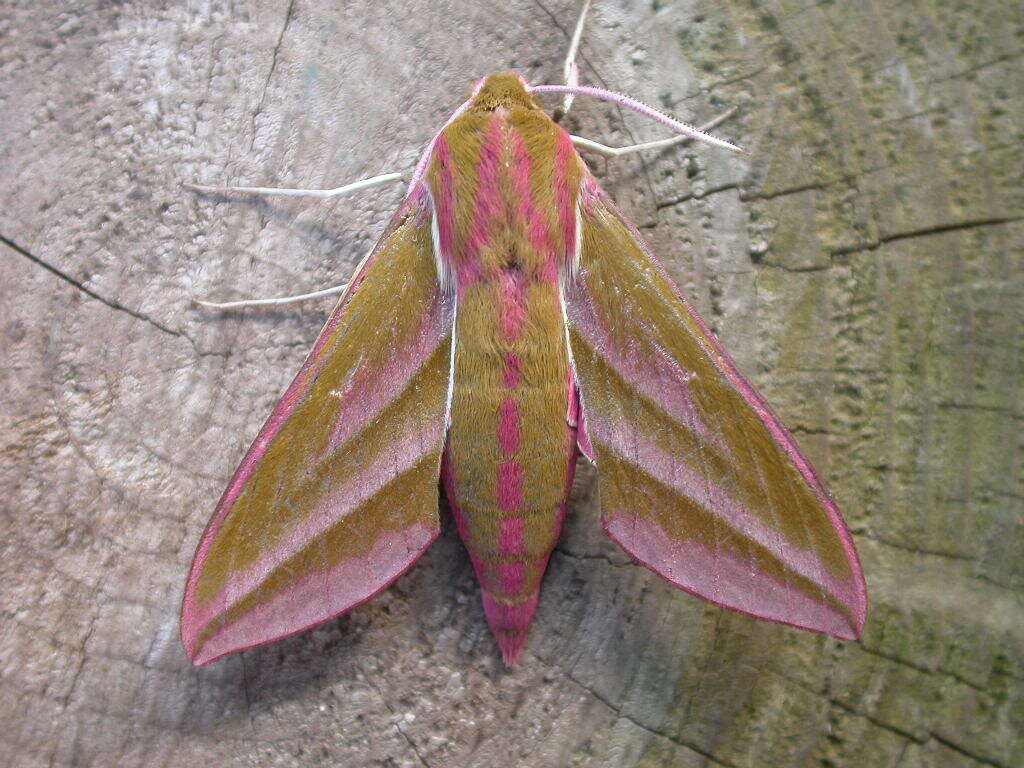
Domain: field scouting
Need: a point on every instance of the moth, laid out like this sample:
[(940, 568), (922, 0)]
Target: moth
[(508, 319)]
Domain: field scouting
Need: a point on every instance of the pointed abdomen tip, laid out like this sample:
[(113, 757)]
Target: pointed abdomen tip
[(510, 624), (511, 644)]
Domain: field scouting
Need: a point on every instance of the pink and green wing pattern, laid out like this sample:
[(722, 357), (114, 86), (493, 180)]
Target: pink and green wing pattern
[(338, 495), (698, 479)]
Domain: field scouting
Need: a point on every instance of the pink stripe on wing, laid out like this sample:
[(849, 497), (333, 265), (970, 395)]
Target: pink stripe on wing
[(596, 198), (728, 580), (362, 398), (315, 598), (702, 490), (652, 371), (316, 360), (332, 509)]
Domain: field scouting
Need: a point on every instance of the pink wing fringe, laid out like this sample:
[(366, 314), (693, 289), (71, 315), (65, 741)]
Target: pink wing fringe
[(649, 545), (301, 608), (285, 616)]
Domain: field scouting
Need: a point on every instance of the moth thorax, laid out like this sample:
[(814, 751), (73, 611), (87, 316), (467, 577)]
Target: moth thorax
[(504, 89)]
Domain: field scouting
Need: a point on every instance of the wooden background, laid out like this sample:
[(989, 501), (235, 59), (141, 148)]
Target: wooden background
[(863, 265)]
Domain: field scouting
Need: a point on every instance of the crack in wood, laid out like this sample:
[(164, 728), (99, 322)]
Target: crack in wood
[(918, 550), (595, 556), (923, 669), (696, 195), (930, 734), (655, 731), (273, 67), (965, 752), (111, 303), (935, 229), (395, 723)]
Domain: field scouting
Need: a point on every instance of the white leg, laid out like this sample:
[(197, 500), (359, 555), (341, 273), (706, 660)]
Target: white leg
[(570, 70), (607, 151), (320, 193), (270, 302)]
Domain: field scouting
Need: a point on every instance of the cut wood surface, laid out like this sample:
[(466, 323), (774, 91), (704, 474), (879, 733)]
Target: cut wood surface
[(862, 264)]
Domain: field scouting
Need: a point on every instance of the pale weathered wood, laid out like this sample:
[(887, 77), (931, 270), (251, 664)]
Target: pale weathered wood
[(864, 265)]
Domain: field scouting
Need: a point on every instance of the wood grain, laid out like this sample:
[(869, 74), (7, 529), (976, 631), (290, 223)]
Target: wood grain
[(863, 265)]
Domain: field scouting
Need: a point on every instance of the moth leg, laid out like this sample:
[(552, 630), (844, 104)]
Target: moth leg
[(270, 302), (607, 151), (570, 70), (319, 193)]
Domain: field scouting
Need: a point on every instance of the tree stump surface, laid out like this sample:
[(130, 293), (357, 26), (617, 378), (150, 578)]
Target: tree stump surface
[(863, 265)]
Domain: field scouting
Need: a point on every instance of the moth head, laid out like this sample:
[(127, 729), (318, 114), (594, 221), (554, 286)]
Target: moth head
[(502, 89)]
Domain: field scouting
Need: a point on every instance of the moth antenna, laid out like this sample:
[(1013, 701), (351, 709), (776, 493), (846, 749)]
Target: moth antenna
[(643, 109), (270, 302), (607, 151)]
